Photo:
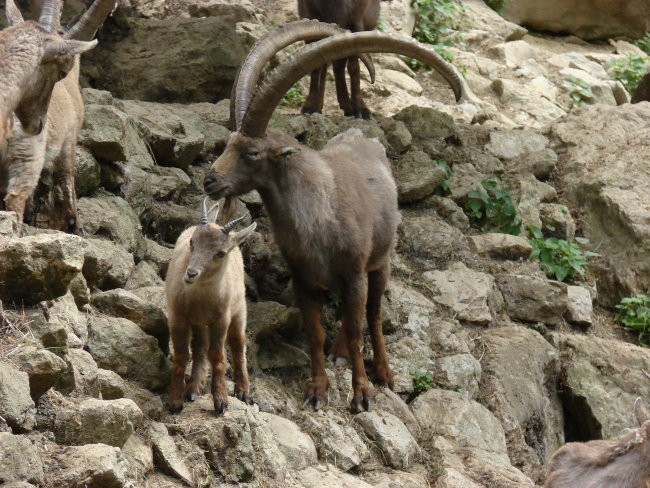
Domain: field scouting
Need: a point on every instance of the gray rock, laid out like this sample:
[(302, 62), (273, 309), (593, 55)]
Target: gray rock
[(121, 346), (111, 384), (40, 267), (266, 318), (89, 466), (532, 299), (53, 335), (557, 221), (16, 405), (579, 308), (122, 303), (389, 401), (515, 143), (398, 136), (531, 193), (601, 379), (417, 177), (166, 455), (397, 444), (138, 455), (19, 460), (448, 210), (501, 246), (90, 421), (297, 447), (8, 224), (87, 172), (107, 265), (158, 255), (326, 476), (167, 220), (150, 403), (64, 312), (143, 274), (81, 376), (541, 163), (112, 217), (459, 372), (79, 290), (470, 295), (426, 123), (43, 367)]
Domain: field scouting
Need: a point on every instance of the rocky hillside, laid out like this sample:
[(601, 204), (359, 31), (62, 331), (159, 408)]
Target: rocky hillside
[(499, 358)]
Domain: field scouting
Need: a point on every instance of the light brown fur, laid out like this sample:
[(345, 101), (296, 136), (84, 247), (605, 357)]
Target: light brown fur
[(211, 309), (618, 463)]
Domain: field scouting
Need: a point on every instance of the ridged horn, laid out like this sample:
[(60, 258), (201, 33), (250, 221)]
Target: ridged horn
[(50, 14), (229, 226), (269, 94), (204, 213), (268, 46), (90, 22), (13, 14)]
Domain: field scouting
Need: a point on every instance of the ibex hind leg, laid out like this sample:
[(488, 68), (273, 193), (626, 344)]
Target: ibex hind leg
[(358, 108), (64, 176), (194, 387), (377, 281), (237, 345)]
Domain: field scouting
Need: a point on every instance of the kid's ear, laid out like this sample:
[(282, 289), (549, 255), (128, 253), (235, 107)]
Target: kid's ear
[(242, 235), (279, 153)]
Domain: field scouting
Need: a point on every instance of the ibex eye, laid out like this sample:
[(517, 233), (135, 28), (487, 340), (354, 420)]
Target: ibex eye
[(252, 153), (221, 254), (63, 74)]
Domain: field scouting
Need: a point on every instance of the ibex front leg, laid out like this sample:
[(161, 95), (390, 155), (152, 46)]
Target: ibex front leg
[(64, 169), (217, 357), (354, 296)]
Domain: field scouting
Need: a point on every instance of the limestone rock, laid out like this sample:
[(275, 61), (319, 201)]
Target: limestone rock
[(63, 311), (111, 384), (121, 346), (107, 264), (40, 267), (142, 275), (8, 224), (19, 460), (266, 318), (515, 143), (557, 221), (166, 455), (426, 123), (81, 376), (138, 455), (87, 172), (43, 367), (579, 308), (297, 447), (96, 421), (326, 476), (89, 466), (501, 246), (16, 405), (459, 372), (533, 299), (417, 177), (389, 401), (392, 437), (158, 255)]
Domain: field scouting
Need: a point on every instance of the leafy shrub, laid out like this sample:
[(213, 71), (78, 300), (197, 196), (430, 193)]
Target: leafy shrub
[(579, 91), (558, 257), (629, 70), (496, 5), (635, 314), (422, 381), (492, 208), (444, 189), (644, 43), (436, 21), (293, 97)]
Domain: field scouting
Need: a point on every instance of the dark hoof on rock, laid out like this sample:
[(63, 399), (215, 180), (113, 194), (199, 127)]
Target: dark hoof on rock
[(360, 405), (175, 409)]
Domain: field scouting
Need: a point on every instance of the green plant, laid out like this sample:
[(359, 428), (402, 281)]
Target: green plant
[(436, 22), (579, 91), (558, 257), (293, 97), (444, 189), (635, 314), (644, 43), (492, 208), (382, 25), (629, 70), (496, 5), (422, 381)]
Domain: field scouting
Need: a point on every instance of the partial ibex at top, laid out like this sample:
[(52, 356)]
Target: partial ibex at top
[(333, 212), (616, 463), (356, 16), (41, 99)]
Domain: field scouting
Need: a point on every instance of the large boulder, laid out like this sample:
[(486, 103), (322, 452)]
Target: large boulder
[(107, 265), (89, 466), (43, 367), (146, 52), (605, 176), (589, 19), (40, 267), (19, 460), (16, 406)]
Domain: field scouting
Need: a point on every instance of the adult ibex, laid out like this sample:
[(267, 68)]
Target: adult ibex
[(333, 212), (356, 16), (40, 85), (617, 463)]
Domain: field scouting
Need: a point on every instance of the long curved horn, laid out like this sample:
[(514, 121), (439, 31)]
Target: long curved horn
[(92, 20), (13, 14), (229, 226), (268, 46), (269, 94), (50, 14)]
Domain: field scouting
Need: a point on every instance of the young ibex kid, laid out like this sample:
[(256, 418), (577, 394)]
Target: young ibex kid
[(206, 299), (617, 463)]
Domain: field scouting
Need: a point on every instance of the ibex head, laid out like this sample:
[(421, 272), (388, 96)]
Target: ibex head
[(251, 155), (210, 244), (36, 55)]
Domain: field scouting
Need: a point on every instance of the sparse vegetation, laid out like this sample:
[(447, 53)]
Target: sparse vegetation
[(559, 258), (496, 5), (293, 97), (579, 92), (422, 381), (492, 209), (629, 70), (644, 43), (444, 189), (634, 312), (437, 21)]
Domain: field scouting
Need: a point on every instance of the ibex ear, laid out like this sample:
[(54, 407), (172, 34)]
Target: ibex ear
[(245, 233), (640, 412), (279, 153), (66, 47), (13, 14), (213, 213)]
